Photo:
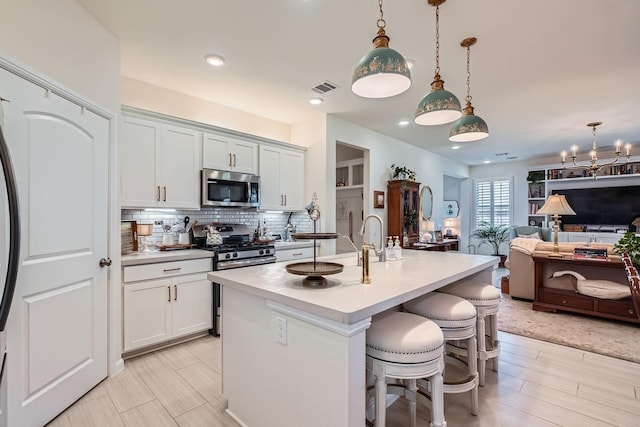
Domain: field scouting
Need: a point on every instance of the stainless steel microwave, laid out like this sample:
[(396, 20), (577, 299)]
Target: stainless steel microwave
[(230, 189)]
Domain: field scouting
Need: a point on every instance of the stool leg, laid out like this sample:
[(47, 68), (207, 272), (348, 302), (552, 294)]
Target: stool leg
[(411, 396), (482, 344), (437, 401), (472, 360), (381, 401), (494, 339)]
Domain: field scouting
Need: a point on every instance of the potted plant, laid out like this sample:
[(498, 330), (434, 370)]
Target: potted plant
[(402, 172), (629, 244), (493, 235), (534, 177)]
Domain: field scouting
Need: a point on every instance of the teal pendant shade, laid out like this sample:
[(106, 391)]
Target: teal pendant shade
[(468, 128), (382, 72), (438, 107)]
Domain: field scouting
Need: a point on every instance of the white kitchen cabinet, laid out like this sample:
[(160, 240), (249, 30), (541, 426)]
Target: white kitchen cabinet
[(159, 309), (282, 179), (290, 254), (160, 165), (229, 154)]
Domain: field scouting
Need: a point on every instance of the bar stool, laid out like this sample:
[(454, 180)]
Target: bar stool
[(407, 347), (486, 299), (457, 319)]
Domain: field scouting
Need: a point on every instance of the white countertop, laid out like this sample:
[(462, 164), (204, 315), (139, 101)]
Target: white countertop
[(138, 258), (345, 299)]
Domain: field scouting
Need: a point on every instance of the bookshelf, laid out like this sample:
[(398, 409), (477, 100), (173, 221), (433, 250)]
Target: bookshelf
[(536, 196)]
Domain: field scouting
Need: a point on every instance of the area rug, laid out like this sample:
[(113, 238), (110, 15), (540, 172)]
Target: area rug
[(610, 338)]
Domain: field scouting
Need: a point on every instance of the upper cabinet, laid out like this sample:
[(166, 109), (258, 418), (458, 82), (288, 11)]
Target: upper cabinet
[(282, 178), (229, 154), (160, 164), (350, 174)]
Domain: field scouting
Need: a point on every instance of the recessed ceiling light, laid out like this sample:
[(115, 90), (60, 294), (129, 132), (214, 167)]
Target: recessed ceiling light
[(316, 101), (487, 162), (455, 147), (403, 122), (215, 60), (410, 62)]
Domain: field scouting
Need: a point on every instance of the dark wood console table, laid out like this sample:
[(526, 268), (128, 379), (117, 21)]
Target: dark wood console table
[(443, 246), (551, 299)]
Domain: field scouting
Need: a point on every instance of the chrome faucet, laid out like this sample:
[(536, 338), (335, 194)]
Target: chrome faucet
[(380, 251), (355, 248)]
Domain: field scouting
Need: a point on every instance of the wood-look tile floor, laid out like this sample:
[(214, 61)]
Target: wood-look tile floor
[(537, 384)]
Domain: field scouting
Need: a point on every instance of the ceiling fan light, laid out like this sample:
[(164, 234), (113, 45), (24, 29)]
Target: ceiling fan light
[(381, 73), (468, 128)]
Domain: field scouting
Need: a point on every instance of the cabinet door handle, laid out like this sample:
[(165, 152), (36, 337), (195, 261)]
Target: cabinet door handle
[(285, 200), (166, 270), (281, 200), (297, 254), (169, 289), (165, 194), (234, 160), (175, 292), (158, 193), (230, 164), (630, 311)]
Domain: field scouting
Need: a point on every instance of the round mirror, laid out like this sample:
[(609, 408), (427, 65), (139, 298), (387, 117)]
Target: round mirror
[(426, 202)]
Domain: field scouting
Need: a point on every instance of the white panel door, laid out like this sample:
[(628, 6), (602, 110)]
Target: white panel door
[(147, 313), (245, 157), (216, 152), (57, 329)]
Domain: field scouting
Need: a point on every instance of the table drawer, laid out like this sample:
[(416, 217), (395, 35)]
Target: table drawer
[(620, 308), (566, 300), (166, 269)]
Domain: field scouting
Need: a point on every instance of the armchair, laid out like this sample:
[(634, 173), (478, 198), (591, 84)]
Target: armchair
[(526, 230)]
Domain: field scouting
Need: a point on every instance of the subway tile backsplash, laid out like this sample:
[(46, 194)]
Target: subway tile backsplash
[(275, 222)]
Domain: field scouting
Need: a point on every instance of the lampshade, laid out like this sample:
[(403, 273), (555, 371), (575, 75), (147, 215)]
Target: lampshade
[(469, 127), (556, 204), (144, 229), (382, 72), (438, 107)]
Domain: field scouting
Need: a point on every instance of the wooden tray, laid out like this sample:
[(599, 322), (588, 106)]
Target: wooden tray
[(309, 268), (309, 236), (177, 246)]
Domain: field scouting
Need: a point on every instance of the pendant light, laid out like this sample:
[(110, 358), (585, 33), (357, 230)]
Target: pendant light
[(469, 127), (439, 106), (382, 72)]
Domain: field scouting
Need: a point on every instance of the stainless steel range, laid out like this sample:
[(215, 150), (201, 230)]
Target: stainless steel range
[(233, 248)]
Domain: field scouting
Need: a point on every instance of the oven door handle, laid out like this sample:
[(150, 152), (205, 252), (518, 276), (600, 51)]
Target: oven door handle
[(227, 265)]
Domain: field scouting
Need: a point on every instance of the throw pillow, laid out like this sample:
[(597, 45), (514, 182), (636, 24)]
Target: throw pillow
[(535, 235)]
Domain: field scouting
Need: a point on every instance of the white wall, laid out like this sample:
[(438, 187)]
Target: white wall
[(143, 95), (60, 40), (380, 152)]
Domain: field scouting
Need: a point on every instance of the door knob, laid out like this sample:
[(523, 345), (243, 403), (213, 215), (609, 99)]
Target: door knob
[(105, 262)]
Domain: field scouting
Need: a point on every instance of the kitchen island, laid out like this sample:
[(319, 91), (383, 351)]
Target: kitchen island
[(295, 356)]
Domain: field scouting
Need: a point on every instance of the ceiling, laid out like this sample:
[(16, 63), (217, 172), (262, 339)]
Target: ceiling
[(540, 70)]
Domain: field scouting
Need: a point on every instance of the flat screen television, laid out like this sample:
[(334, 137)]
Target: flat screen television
[(608, 206)]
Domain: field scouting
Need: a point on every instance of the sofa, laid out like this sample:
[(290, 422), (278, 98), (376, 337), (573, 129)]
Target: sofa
[(542, 233), (521, 266)]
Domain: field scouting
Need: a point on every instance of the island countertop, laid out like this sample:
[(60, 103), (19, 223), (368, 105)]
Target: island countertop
[(344, 299)]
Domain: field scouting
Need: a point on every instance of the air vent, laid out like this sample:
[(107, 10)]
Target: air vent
[(324, 87), (512, 157), (501, 154)]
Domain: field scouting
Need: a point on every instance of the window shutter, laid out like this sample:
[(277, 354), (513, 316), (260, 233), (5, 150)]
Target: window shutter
[(492, 200)]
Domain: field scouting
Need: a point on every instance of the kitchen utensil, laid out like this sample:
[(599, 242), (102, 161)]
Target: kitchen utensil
[(183, 238), (167, 239), (192, 224), (186, 221)]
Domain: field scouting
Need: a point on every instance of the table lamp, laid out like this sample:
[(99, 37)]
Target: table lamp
[(447, 224), (144, 230), (556, 205)]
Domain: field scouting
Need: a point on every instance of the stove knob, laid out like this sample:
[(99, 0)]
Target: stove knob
[(267, 251), (261, 252), (235, 255), (227, 256)]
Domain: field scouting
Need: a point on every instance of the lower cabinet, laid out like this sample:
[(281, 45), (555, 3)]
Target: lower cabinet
[(160, 310), (290, 254)]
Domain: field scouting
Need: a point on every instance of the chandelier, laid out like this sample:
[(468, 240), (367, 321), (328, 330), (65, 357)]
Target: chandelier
[(593, 168)]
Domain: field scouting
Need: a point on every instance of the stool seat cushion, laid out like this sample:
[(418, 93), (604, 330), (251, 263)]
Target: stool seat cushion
[(447, 311), (404, 338), (476, 292)]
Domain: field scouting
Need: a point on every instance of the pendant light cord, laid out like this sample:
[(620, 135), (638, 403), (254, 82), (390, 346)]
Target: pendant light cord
[(468, 98), (437, 71), (381, 22)]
